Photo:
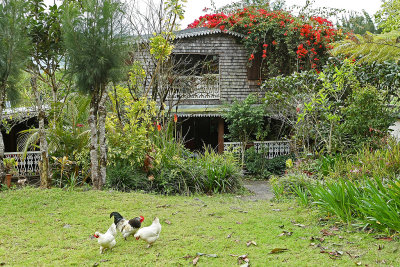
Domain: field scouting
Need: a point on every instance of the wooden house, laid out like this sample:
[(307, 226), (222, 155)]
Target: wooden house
[(210, 68)]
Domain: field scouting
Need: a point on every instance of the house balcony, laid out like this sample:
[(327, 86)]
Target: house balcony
[(197, 87)]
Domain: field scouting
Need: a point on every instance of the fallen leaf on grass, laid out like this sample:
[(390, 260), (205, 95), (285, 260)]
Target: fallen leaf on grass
[(299, 225), (230, 235), (386, 238), (276, 210), (167, 222), (278, 250), (285, 233), (104, 260), (351, 256), (242, 259), (251, 242), (187, 256), (207, 255), (196, 260), (358, 263), (325, 232), (334, 228), (238, 223), (163, 206), (281, 226)]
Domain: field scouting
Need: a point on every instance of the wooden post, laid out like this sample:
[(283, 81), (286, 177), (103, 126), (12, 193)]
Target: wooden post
[(220, 135)]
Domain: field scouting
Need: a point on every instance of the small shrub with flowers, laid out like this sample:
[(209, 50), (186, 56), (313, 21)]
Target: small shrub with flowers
[(285, 43)]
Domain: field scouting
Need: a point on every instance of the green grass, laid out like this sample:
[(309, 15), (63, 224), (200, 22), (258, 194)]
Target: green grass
[(32, 231)]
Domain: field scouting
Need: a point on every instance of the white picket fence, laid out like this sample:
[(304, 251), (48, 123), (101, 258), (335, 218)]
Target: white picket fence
[(271, 149), (28, 166)]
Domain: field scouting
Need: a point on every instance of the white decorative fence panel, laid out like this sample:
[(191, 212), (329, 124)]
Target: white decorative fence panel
[(271, 149), (28, 166), (197, 87)]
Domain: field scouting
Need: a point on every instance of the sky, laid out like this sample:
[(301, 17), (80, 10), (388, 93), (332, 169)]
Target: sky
[(194, 7)]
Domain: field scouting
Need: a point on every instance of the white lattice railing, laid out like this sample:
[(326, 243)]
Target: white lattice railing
[(28, 166), (197, 87), (271, 149)]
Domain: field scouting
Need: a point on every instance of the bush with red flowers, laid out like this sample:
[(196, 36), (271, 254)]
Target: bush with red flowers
[(284, 43)]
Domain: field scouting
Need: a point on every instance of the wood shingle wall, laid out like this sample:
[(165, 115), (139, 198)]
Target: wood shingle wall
[(233, 60)]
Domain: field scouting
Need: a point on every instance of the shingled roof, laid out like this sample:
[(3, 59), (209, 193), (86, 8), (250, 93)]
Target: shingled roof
[(188, 33)]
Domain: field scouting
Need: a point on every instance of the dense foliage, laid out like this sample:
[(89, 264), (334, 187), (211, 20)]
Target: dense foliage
[(282, 42), (320, 108), (259, 166)]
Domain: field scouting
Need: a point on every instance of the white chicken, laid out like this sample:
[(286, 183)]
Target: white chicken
[(107, 240), (150, 233)]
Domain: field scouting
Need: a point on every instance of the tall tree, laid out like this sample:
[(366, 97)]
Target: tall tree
[(95, 42), (47, 54), (388, 17), (13, 53), (357, 23)]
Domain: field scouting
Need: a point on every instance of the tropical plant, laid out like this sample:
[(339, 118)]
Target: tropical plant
[(245, 119), (369, 47), (338, 197), (366, 118), (10, 166)]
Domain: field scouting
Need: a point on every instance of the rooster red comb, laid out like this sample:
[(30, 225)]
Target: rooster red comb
[(141, 218)]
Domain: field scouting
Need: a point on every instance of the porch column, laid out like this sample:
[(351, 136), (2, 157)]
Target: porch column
[(220, 135)]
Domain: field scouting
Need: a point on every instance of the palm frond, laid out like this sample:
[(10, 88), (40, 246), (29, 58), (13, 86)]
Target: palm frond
[(370, 47)]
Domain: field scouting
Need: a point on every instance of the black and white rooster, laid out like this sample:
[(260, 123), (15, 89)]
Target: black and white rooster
[(126, 227)]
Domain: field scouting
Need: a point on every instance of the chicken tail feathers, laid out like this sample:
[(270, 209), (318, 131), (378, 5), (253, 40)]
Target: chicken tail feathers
[(117, 217)]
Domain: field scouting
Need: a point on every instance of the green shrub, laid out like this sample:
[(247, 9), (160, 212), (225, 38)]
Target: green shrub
[(284, 185), (338, 197), (222, 172), (368, 162), (381, 205), (366, 118), (259, 165), (124, 177), (373, 202)]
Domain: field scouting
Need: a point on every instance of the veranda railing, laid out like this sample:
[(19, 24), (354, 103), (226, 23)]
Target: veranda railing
[(28, 166), (271, 149)]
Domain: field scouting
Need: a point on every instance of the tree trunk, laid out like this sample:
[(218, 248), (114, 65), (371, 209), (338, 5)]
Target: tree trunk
[(2, 98), (94, 159), (102, 138), (45, 180)]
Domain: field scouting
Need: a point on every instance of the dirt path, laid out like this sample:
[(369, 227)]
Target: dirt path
[(261, 189)]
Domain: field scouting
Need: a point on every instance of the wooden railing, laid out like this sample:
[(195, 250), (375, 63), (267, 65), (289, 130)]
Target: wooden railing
[(271, 149), (197, 87), (28, 166)]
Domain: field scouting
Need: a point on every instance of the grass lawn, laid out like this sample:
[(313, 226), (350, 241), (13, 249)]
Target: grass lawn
[(55, 228)]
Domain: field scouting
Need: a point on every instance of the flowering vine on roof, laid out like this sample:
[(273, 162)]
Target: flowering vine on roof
[(279, 41)]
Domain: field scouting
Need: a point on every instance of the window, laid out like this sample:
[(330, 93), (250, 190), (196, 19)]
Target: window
[(195, 64)]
